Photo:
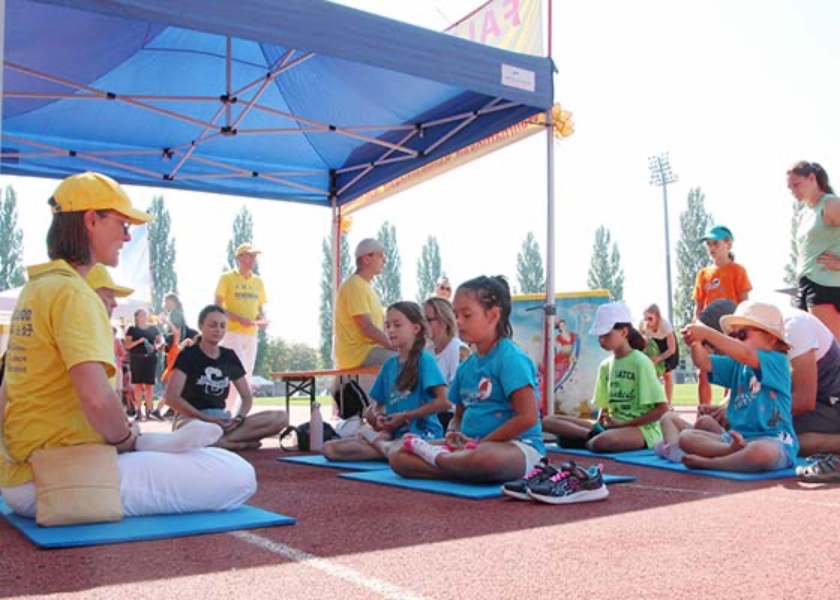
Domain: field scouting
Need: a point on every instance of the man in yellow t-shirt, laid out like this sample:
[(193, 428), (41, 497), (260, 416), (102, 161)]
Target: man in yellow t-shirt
[(359, 336), (242, 294)]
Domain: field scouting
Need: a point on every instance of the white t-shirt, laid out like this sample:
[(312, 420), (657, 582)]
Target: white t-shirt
[(664, 330), (806, 332), (449, 359)]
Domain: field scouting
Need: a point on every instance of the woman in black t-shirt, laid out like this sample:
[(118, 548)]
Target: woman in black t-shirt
[(200, 381), (143, 342)]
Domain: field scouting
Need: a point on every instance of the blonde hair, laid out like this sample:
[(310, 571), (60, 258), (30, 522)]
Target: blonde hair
[(443, 311)]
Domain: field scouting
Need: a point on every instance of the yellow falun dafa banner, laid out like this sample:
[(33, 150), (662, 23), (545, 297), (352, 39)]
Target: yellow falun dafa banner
[(510, 24)]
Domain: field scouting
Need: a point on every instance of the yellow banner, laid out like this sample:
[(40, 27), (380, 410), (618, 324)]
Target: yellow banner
[(510, 24)]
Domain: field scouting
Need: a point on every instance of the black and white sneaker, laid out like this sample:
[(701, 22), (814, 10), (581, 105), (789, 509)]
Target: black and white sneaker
[(519, 488)]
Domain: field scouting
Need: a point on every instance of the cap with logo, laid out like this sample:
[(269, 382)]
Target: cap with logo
[(94, 191), (98, 277)]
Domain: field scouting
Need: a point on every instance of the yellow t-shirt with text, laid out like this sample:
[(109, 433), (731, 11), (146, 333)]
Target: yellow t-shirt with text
[(243, 296), (59, 322), (355, 297)]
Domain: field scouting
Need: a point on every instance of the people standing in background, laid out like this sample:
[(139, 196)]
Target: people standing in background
[(660, 330), (143, 341), (724, 278), (443, 289), (817, 243), (242, 294)]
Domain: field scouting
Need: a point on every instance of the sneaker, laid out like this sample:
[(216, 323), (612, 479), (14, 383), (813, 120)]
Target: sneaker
[(138, 416), (541, 472), (825, 469), (570, 487), (155, 414), (169, 414)]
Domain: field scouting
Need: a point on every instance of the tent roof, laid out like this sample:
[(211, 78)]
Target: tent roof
[(299, 100)]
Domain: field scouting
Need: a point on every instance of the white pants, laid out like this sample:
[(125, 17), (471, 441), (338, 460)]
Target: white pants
[(155, 483), (245, 346)]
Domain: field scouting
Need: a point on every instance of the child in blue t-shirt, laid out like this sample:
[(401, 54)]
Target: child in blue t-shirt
[(752, 364), (495, 434), (408, 393)]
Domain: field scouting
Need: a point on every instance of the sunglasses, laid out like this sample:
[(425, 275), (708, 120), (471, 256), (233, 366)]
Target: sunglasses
[(740, 334)]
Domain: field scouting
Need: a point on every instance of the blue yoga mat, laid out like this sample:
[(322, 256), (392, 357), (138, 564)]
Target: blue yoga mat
[(474, 491), (348, 465), (660, 463), (134, 529), (555, 449)]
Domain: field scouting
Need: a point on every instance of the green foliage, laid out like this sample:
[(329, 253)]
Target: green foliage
[(327, 311), (161, 254), (790, 268), (529, 267), (243, 231), (691, 255), (11, 243), (389, 283), (605, 271), (428, 269), (281, 356)]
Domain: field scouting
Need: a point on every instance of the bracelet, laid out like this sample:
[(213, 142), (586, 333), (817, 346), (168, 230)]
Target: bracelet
[(123, 440)]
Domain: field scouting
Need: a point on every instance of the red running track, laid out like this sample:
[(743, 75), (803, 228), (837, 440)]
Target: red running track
[(666, 535)]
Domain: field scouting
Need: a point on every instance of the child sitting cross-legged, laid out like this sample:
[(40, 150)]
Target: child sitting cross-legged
[(751, 363), (409, 392)]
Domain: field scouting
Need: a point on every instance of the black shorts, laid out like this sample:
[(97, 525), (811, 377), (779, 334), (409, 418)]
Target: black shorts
[(825, 418), (143, 369), (672, 361), (813, 294)]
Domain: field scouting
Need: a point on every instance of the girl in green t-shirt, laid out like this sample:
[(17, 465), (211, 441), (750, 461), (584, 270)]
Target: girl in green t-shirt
[(627, 391)]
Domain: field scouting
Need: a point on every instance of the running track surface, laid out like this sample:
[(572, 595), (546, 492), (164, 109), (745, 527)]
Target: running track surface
[(666, 535)]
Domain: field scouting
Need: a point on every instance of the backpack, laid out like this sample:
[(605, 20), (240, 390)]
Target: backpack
[(351, 400), (301, 436)]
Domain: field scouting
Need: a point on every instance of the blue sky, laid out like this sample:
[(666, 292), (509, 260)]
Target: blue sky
[(735, 91)]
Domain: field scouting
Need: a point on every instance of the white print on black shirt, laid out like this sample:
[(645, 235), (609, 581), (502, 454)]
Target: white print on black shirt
[(213, 381)]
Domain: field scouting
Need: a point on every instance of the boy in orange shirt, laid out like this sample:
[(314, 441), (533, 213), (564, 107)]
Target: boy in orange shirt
[(723, 279)]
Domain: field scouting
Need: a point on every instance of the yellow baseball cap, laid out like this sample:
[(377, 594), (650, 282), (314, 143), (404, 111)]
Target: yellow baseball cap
[(246, 248), (98, 277), (94, 191)]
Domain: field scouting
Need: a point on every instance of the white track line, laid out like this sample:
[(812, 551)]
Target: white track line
[(379, 586)]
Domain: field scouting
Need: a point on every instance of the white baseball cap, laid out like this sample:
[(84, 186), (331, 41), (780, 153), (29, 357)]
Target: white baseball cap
[(608, 316), (369, 246)]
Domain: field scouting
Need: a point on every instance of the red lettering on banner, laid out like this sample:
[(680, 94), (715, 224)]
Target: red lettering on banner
[(490, 27), (513, 14)]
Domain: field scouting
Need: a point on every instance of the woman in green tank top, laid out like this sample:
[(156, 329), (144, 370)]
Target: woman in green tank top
[(818, 243)]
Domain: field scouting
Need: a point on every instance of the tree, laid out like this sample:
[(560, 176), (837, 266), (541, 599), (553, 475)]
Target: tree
[(691, 254), (11, 243), (428, 269), (243, 231), (302, 358), (161, 254), (790, 268), (529, 266), (388, 284), (327, 309), (275, 356), (605, 270)]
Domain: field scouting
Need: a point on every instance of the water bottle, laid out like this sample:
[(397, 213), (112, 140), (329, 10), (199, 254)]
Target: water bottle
[(316, 429)]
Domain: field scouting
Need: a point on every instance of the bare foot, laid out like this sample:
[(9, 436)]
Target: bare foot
[(693, 461), (737, 442)]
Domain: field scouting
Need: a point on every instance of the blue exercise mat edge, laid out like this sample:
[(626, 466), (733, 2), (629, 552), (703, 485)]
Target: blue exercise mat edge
[(470, 491), (318, 460), (656, 462), (137, 529)]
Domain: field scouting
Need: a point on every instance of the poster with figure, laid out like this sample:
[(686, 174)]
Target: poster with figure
[(576, 354)]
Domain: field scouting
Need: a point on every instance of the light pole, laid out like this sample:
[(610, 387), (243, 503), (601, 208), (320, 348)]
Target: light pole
[(661, 175)]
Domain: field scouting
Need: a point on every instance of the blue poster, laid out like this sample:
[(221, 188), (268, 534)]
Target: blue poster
[(577, 354)]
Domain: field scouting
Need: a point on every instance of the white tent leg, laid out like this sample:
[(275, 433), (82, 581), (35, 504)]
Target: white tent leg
[(550, 305)]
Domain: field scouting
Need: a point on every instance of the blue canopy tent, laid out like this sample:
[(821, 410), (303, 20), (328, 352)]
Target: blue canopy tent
[(298, 100)]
